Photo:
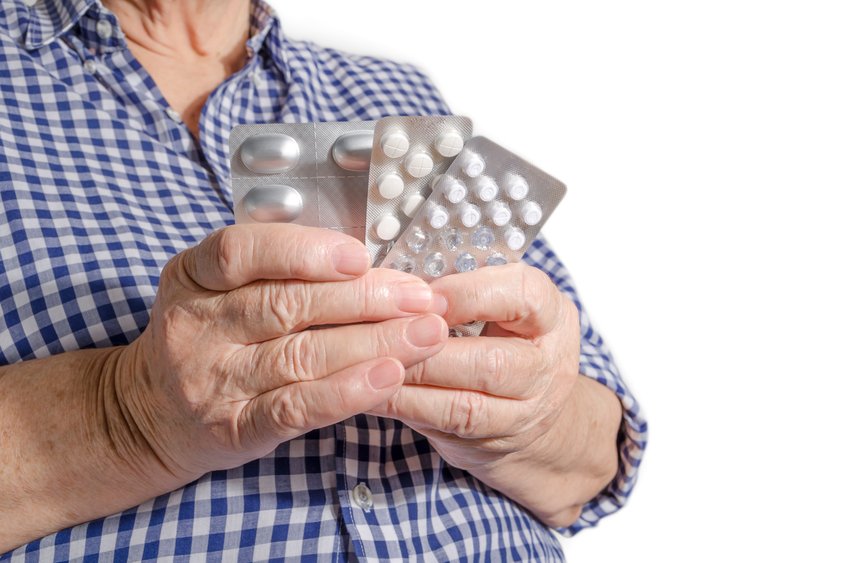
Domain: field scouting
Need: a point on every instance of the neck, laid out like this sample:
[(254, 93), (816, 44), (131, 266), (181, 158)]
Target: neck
[(187, 30)]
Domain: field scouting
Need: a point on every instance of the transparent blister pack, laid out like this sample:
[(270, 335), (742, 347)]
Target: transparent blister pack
[(312, 174), (504, 203), (408, 153)]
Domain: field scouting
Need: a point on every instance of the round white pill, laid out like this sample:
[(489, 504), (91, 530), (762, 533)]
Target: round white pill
[(390, 185), (419, 164), (516, 187), (437, 217), (453, 190), (499, 213), (514, 238), (412, 204), (472, 164), (486, 189), (388, 227), (449, 144), (470, 215), (531, 213), (394, 143)]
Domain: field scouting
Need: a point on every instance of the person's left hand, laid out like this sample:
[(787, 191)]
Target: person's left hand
[(498, 405)]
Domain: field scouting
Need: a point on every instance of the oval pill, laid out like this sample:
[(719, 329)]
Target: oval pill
[(269, 154), (470, 215), (394, 143), (352, 150), (472, 164), (437, 217), (273, 204), (390, 185), (449, 144), (485, 188), (419, 164), (531, 213), (499, 213), (388, 227), (516, 187), (514, 238)]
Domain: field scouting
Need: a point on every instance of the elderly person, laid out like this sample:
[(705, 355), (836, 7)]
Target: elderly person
[(159, 394)]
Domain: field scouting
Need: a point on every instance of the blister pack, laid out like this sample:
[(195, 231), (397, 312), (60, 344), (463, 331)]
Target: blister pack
[(407, 154), (504, 202), (312, 174)]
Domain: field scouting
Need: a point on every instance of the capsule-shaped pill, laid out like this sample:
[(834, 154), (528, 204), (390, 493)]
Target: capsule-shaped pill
[(270, 154), (352, 150), (273, 203)]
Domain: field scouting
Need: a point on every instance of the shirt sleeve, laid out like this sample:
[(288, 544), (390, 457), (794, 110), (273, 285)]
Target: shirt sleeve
[(596, 362)]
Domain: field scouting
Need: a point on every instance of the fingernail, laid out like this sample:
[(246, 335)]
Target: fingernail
[(412, 297), (351, 259), (439, 305), (384, 375), (425, 331)]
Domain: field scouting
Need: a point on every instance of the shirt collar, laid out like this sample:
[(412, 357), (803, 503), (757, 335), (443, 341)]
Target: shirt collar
[(51, 18)]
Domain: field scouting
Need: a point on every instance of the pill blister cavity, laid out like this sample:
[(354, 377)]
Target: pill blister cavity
[(472, 164), (419, 164), (466, 262), (394, 143), (269, 154), (434, 264), (452, 239), (388, 227), (496, 259), (404, 264), (499, 213), (273, 203), (485, 188), (449, 144), (418, 240), (516, 187), (470, 215), (514, 238), (455, 333), (390, 185), (352, 150), (437, 216), (452, 189), (531, 213), (412, 204), (483, 237)]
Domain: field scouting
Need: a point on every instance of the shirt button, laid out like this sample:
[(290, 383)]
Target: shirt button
[(104, 29), (173, 114), (90, 66), (363, 497), (30, 3)]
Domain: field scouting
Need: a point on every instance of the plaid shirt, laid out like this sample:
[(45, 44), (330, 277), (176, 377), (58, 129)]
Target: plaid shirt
[(101, 184)]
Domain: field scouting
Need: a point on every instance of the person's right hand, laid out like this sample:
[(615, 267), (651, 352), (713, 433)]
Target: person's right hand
[(225, 370)]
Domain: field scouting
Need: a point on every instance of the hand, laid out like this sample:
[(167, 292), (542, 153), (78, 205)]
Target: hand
[(502, 406), (226, 371)]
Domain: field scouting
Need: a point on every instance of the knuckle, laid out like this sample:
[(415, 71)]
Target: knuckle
[(289, 303), (416, 374), (301, 358), (495, 364), (230, 247), (465, 414), (291, 412)]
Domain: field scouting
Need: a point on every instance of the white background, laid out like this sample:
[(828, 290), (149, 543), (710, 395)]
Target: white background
[(706, 147)]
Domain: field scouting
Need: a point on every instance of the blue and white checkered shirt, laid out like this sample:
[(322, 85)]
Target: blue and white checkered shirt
[(101, 184)]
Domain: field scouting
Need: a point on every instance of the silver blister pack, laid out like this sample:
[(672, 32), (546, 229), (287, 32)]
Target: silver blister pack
[(407, 154), (312, 174), (485, 210)]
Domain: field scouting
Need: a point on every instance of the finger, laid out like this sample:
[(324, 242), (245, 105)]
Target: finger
[(519, 297), (286, 412), (314, 354), (269, 309), (466, 414), (240, 254), (504, 367)]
